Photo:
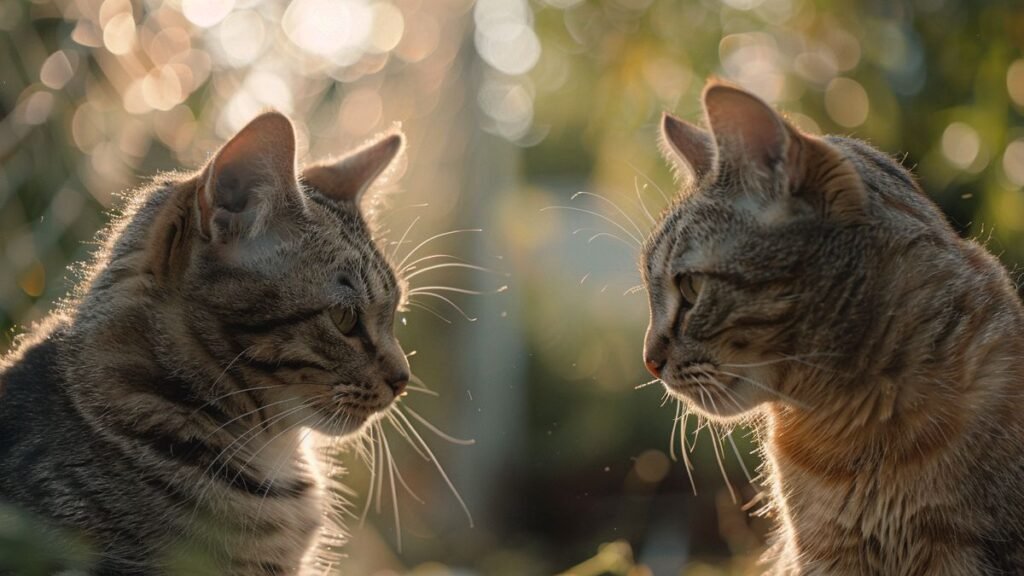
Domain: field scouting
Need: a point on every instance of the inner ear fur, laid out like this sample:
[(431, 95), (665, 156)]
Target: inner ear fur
[(250, 180), (686, 147)]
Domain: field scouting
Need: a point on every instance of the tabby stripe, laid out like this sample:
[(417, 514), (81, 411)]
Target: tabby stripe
[(271, 366), (271, 324), (179, 391), (197, 454)]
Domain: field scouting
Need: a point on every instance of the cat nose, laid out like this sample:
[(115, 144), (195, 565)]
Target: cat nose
[(654, 367), (655, 352), (398, 383)]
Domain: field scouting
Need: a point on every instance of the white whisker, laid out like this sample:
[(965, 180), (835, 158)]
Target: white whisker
[(639, 243), (450, 303), (401, 240), (437, 465), (640, 200), (640, 233), (426, 308), (437, 430), (431, 239), (451, 265)]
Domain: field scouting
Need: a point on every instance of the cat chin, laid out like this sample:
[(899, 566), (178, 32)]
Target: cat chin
[(713, 404), (351, 421)]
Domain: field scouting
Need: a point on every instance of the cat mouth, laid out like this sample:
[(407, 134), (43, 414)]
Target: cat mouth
[(700, 382)]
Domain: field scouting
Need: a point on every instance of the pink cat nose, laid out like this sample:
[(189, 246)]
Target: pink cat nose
[(654, 367)]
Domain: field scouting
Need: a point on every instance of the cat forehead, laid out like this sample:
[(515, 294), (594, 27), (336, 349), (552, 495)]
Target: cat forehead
[(689, 232), (337, 236)]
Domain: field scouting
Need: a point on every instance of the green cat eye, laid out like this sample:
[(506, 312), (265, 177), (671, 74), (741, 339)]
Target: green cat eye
[(689, 288), (345, 318)]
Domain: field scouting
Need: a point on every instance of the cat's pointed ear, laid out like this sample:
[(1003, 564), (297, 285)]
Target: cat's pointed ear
[(749, 133), (250, 180), (347, 179), (745, 128), (686, 147), (822, 176)]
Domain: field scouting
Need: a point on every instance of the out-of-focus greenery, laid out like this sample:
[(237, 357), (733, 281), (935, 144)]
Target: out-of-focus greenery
[(511, 107)]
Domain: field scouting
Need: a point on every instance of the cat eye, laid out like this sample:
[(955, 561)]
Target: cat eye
[(689, 288), (345, 318)]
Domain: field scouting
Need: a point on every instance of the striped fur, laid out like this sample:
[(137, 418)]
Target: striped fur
[(161, 414), (877, 353)]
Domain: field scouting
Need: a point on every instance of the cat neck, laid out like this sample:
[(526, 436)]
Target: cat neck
[(943, 363)]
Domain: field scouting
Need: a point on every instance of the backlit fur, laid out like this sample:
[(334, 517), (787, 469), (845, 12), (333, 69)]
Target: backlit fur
[(161, 415), (877, 353)]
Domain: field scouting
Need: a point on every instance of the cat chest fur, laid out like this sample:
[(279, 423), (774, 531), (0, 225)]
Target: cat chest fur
[(151, 501)]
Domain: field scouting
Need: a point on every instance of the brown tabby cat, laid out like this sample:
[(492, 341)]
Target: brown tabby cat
[(158, 414), (810, 282)]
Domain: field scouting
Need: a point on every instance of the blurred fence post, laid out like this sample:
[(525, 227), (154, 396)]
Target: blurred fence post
[(492, 351)]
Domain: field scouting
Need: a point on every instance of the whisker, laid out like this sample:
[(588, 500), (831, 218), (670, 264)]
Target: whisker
[(243, 390), (394, 492), (410, 265), (230, 364), (424, 289), (779, 394), (284, 459), (271, 441), (716, 445), (383, 463), (451, 265), (401, 240), (398, 426), (431, 239), (610, 235), (437, 465), (639, 243), (450, 303), (672, 434), (372, 466), (640, 200), (739, 458), (422, 306), (426, 391), (607, 200), (682, 446), (604, 232), (418, 381), (649, 180), (798, 359), (646, 384), (437, 430)]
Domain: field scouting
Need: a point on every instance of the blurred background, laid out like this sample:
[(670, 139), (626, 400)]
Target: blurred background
[(511, 107)]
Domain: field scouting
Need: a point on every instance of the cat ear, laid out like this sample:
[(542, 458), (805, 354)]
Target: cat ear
[(347, 179), (250, 180), (685, 146), (745, 128), (748, 132), (826, 179)]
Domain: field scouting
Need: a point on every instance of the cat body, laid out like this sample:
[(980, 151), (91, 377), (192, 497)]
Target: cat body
[(163, 416), (807, 285)]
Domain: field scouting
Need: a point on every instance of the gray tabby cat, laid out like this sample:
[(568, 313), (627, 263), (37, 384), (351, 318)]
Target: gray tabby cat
[(158, 414), (809, 286)]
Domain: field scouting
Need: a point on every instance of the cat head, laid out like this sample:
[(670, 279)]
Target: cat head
[(274, 275), (767, 265)]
